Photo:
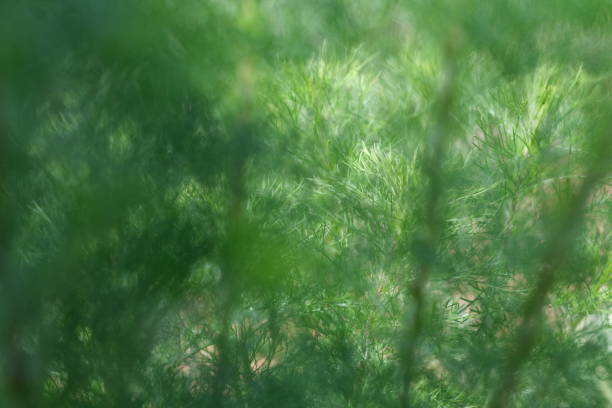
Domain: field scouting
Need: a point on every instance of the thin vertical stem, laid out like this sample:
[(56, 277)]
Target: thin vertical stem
[(425, 246), (242, 143)]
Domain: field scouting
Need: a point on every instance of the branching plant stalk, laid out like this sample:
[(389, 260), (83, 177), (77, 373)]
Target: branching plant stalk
[(559, 242)]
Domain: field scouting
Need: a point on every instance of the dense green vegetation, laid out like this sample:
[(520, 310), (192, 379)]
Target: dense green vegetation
[(322, 203)]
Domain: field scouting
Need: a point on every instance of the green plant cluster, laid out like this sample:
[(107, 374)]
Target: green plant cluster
[(322, 203)]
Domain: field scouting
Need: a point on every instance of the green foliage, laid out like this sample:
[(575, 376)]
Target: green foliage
[(305, 204)]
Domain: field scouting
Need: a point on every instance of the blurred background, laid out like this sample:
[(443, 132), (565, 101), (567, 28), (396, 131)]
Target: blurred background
[(326, 203)]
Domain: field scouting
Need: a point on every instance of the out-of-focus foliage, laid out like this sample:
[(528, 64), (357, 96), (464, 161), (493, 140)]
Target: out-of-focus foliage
[(325, 203)]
